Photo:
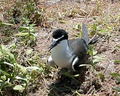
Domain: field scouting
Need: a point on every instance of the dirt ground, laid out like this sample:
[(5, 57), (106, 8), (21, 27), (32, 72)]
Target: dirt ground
[(66, 14), (69, 15)]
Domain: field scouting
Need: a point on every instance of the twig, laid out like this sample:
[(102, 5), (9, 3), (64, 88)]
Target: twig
[(90, 90)]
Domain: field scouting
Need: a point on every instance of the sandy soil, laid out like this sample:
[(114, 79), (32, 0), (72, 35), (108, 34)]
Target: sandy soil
[(66, 14)]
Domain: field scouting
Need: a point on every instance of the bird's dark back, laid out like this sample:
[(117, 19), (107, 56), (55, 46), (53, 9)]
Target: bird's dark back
[(78, 47)]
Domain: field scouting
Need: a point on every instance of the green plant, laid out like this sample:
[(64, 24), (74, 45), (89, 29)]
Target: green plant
[(24, 9), (77, 27), (117, 78), (20, 69), (29, 11), (14, 76), (6, 31), (93, 60), (33, 13), (26, 33)]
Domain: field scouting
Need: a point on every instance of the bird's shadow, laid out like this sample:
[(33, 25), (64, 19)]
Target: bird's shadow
[(68, 82)]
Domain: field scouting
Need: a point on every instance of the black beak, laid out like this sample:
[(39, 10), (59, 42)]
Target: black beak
[(55, 42)]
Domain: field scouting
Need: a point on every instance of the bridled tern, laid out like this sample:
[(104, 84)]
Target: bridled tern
[(68, 53)]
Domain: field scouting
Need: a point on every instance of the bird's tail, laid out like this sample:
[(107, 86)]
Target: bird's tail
[(85, 34), (88, 41)]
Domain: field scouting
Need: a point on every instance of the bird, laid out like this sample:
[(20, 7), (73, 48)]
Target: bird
[(68, 53)]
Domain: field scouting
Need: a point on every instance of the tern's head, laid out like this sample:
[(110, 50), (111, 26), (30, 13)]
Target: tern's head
[(58, 35)]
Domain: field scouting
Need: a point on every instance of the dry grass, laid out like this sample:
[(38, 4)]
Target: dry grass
[(102, 16)]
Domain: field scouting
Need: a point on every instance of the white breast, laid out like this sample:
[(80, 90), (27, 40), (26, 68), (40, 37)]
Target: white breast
[(62, 55)]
